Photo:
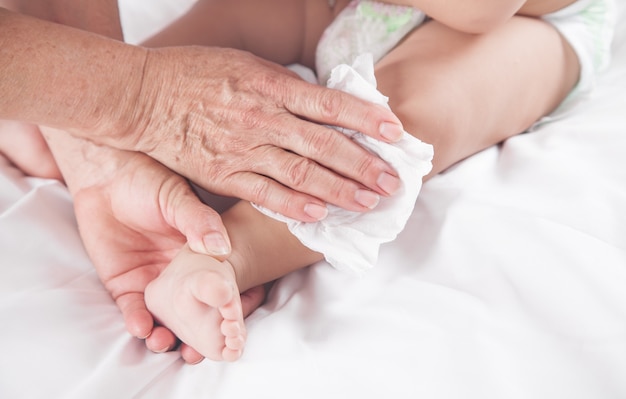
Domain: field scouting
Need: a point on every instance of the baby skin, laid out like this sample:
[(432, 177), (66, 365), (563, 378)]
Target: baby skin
[(24, 146), (197, 296)]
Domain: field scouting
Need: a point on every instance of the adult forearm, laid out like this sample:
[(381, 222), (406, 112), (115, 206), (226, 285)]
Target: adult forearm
[(81, 162), (66, 78)]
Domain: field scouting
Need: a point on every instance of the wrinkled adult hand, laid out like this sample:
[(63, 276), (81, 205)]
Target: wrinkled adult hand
[(233, 123), (244, 127), (134, 215)]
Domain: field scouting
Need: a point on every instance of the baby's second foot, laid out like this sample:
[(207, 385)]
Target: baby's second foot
[(196, 297), (23, 145)]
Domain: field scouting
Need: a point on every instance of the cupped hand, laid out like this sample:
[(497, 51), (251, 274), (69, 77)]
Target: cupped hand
[(134, 215), (241, 126)]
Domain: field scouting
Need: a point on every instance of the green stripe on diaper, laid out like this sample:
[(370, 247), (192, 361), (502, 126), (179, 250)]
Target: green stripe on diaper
[(393, 21), (595, 17)]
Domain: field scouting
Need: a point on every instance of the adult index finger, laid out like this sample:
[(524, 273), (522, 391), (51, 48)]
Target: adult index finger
[(336, 108)]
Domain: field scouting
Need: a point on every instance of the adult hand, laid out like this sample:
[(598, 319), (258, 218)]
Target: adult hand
[(240, 126), (134, 215), (233, 123)]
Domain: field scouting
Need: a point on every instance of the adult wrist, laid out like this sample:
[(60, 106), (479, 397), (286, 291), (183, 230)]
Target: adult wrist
[(58, 76), (119, 111), (83, 163)]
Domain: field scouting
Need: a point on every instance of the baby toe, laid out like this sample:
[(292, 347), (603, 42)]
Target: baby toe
[(232, 328), (235, 343), (230, 355)]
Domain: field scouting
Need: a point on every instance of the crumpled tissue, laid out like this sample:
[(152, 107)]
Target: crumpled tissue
[(351, 240)]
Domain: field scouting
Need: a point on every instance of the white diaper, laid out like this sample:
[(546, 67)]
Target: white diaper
[(351, 240), (588, 26), (364, 26)]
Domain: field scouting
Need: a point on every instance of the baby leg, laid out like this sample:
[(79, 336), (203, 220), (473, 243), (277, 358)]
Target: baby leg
[(281, 31), (463, 93)]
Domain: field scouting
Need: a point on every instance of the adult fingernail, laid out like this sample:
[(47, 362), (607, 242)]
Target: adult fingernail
[(367, 198), (388, 183), (316, 211), (197, 361), (215, 244), (391, 131), (162, 350)]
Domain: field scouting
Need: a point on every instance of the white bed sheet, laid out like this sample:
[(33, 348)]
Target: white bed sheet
[(508, 282)]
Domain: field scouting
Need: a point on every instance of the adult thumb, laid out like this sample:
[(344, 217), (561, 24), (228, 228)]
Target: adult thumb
[(199, 223)]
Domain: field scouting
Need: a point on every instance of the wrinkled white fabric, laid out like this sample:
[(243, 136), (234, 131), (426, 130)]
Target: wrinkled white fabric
[(351, 240)]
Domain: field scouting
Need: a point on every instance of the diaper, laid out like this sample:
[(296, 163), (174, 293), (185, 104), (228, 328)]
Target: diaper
[(364, 26), (588, 26), (371, 26)]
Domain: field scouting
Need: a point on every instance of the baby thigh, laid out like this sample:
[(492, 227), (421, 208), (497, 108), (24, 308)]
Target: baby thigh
[(286, 31), (282, 31), (463, 93)]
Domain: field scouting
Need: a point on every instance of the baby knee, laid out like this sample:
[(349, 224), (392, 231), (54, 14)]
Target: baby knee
[(429, 115), (437, 119)]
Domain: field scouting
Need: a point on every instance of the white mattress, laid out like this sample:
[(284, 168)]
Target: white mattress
[(508, 282)]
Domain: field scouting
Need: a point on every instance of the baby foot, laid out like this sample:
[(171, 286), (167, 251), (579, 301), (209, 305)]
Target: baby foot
[(196, 297), (24, 146)]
